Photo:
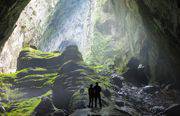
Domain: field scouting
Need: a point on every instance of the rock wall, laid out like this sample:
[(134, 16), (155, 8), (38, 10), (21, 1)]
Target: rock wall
[(161, 19), (29, 28), (9, 14), (70, 24), (119, 33), (147, 30), (10, 11), (154, 32)]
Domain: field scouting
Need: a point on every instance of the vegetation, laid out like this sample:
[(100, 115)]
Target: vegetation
[(33, 53), (40, 78), (24, 107), (101, 54)]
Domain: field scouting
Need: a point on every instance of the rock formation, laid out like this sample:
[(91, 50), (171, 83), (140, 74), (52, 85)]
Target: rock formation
[(56, 48), (57, 84)]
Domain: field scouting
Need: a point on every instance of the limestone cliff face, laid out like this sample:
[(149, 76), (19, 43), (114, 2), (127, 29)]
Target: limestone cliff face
[(161, 19), (119, 33), (70, 24), (148, 30), (9, 13), (154, 33), (29, 27)]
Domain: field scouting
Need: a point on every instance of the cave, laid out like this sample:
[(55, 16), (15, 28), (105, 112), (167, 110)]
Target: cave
[(51, 51)]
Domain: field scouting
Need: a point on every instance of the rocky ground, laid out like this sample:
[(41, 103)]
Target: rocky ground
[(56, 84)]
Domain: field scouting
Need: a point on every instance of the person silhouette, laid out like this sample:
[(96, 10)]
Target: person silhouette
[(97, 95), (91, 96)]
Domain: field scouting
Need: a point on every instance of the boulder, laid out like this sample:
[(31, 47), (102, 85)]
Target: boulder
[(173, 110), (133, 63), (117, 80), (150, 89), (136, 76), (33, 59), (157, 109), (26, 61), (45, 107), (107, 93)]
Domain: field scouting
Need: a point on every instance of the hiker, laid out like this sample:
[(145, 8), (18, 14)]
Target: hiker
[(91, 96), (97, 95)]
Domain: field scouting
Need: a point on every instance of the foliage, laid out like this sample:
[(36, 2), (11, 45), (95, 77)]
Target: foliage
[(100, 55)]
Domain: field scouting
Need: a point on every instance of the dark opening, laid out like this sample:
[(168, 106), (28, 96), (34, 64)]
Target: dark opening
[(178, 3)]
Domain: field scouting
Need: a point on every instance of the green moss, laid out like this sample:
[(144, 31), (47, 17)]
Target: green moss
[(5, 76), (51, 78), (104, 81), (47, 94), (36, 78), (44, 80), (6, 81), (32, 53), (5, 87), (40, 69), (100, 55), (25, 107), (97, 68)]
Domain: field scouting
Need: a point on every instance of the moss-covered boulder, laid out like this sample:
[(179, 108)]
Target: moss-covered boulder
[(45, 107), (32, 58), (135, 73)]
